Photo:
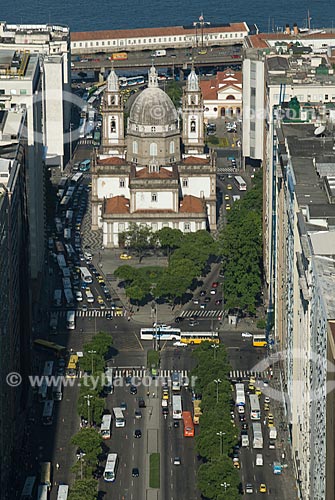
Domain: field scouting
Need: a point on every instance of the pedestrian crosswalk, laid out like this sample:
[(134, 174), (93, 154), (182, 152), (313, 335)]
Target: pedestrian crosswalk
[(201, 313), (91, 313), (245, 375), (142, 372)]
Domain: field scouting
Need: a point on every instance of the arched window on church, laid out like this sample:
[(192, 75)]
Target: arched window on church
[(192, 125), (135, 147), (112, 100), (171, 147), (192, 99), (153, 149), (230, 97), (113, 126)]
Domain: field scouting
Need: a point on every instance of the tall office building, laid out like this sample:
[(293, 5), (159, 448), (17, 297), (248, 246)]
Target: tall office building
[(15, 322)]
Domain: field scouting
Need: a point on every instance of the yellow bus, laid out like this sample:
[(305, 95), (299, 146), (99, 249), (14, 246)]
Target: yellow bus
[(45, 474), (259, 340), (72, 367), (59, 350), (199, 337)]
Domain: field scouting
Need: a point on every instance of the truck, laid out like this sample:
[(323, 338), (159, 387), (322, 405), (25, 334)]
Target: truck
[(257, 435), (196, 411), (160, 53), (272, 433)]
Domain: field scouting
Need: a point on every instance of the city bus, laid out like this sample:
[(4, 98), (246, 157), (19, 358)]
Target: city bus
[(70, 320), (57, 298), (72, 367), (85, 165), (65, 271), (255, 411), (69, 216), (45, 474), (59, 350), (135, 80), (63, 492), (199, 337), (259, 340), (29, 489), (69, 250), (61, 260), (111, 467), (177, 410), (68, 297), (105, 428), (67, 283), (86, 276), (240, 183), (43, 391), (119, 417), (188, 424), (48, 411), (76, 178), (42, 493), (57, 393), (163, 333), (48, 368), (67, 233)]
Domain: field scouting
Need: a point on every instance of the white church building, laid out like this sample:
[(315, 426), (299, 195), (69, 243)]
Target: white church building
[(154, 174)]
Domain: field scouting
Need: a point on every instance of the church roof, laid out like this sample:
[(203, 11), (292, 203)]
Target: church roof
[(153, 107), (192, 204), (163, 173), (194, 160), (111, 160), (116, 205)]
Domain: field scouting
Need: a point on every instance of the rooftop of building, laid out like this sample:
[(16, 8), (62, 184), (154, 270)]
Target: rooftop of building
[(222, 81), (36, 33), (266, 40), (17, 64), (325, 268), (152, 32)]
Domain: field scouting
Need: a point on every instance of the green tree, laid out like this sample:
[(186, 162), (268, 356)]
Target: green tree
[(169, 239), (84, 489), (139, 238), (215, 473), (174, 91), (90, 408), (126, 272), (89, 441)]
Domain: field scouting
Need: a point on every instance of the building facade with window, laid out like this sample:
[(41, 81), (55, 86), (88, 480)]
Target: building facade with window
[(222, 95), (142, 176)]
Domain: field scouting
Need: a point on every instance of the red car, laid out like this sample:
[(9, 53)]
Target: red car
[(215, 284)]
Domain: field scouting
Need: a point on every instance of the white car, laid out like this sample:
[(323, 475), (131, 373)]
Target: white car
[(179, 344), (213, 291), (176, 461), (247, 335), (79, 296), (88, 256)]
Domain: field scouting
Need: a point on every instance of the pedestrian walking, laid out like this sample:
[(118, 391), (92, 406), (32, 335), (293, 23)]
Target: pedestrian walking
[(57, 466)]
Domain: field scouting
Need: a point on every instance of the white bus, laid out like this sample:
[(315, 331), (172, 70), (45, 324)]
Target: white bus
[(67, 233), (63, 492), (57, 393), (76, 178), (175, 378), (29, 491), (240, 397), (177, 410), (105, 428), (163, 333), (119, 417), (255, 411), (69, 250), (61, 260), (69, 216), (86, 276), (66, 272), (69, 296), (240, 183), (48, 411), (57, 298), (70, 320), (111, 467), (257, 435), (42, 493)]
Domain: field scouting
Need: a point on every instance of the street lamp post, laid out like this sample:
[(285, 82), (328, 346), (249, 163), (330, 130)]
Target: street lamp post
[(221, 434), (225, 485), (214, 346), (88, 398), (91, 353), (71, 125), (217, 381)]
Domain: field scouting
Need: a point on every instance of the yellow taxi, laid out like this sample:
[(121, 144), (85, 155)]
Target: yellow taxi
[(125, 256), (252, 380), (100, 278), (230, 187), (236, 463), (226, 197), (262, 488), (165, 394), (266, 407), (99, 299), (228, 207), (270, 420), (251, 387), (258, 392)]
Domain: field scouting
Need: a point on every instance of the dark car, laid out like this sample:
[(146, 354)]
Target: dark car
[(245, 426), (109, 315), (218, 302), (133, 390), (241, 417), (141, 403), (176, 424), (135, 472), (137, 433), (202, 293), (98, 473), (207, 299), (179, 319), (165, 410)]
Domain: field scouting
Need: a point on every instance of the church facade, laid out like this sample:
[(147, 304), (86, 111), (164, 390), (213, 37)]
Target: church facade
[(148, 176)]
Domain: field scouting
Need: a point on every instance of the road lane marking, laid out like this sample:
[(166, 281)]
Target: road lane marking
[(138, 340)]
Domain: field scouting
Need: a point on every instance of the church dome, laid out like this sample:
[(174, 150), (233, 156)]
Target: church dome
[(153, 107)]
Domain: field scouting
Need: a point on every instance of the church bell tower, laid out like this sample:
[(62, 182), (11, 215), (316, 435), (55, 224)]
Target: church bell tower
[(113, 141), (193, 116)]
